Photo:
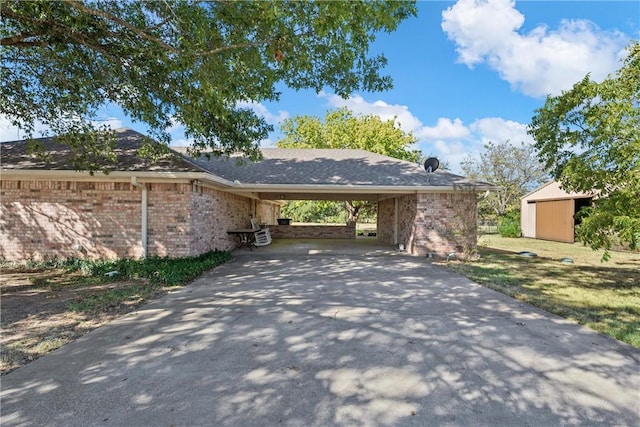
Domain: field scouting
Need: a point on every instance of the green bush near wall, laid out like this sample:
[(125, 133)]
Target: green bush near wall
[(510, 225), (158, 270)]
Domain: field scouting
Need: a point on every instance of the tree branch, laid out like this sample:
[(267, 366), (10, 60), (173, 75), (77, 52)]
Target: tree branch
[(19, 40), (113, 18), (233, 46)]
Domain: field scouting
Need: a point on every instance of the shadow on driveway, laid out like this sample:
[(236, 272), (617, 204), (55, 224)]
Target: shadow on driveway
[(337, 339)]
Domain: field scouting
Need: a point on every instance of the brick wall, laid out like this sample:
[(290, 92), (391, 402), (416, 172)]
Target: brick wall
[(43, 219), (267, 212), (436, 223), (215, 212), (47, 219), (313, 231), (385, 223), (168, 219)]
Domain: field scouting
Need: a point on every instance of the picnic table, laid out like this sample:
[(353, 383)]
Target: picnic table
[(246, 237)]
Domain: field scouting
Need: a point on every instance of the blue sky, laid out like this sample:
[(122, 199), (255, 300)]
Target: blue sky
[(467, 72)]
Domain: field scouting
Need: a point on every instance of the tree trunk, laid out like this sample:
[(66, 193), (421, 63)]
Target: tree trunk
[(353, 211)]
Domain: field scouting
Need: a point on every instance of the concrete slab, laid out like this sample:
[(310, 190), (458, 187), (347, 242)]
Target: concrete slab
[(331, 338)]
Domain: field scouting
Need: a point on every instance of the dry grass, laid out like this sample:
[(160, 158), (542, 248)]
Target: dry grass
[(45, 307), (604, 296)]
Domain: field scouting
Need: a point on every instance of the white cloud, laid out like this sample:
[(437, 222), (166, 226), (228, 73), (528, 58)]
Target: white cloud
[(267, 143), (262, 111), (537, 63), (452, 152), (454, 148), (182, 142), (497, 129), (9, 132), (444, 129), (175, 126), (111, 122), (448, 139), (356, 103)]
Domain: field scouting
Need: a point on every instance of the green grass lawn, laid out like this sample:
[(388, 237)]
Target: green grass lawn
[(604, 296)]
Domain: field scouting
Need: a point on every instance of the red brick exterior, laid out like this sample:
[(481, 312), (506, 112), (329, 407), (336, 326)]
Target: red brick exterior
[(437, 223), (45, 219), (42, 219), (313, 231)]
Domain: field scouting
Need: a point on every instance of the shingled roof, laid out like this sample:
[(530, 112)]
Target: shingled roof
[(14, 156), (279, 167)]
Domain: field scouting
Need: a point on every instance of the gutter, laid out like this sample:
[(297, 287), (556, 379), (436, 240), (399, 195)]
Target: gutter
[(114, 176), (364, 189), (236, 186), (143, 234)]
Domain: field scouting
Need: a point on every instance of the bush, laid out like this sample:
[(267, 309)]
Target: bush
[(159, 270), (510, 225)]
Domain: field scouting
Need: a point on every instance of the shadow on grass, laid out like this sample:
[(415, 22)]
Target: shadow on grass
[(605, 298)]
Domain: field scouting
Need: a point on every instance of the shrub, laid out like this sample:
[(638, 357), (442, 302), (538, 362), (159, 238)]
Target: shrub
[(510, 225), (159, 270)]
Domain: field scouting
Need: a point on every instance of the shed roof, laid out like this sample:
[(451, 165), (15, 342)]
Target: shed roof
[(280, 169), (552, 190)]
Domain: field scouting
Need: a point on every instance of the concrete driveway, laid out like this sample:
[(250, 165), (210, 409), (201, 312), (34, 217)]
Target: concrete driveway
[(307, 335)]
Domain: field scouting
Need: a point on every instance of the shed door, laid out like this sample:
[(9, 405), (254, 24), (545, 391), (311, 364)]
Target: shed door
[(554, 220)]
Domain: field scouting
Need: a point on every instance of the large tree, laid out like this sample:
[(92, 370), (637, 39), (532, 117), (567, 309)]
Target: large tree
[(513, 167), (589, 136), (187, 62), (342, 129)]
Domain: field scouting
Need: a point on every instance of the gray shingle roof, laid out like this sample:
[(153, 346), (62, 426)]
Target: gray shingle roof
[(13, 155), (326, 167), (295, 167)]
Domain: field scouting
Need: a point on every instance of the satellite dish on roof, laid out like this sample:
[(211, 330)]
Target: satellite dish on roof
[(431, 164)]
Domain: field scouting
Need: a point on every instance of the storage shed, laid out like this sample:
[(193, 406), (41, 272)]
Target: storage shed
[(549, 212)]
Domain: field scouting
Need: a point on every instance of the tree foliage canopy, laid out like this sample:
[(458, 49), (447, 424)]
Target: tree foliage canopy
[(589, 136), (515, 168), (186, 62), (342, 129)]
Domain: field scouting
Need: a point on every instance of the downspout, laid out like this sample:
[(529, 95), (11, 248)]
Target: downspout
[(143, 234), (395, 221)]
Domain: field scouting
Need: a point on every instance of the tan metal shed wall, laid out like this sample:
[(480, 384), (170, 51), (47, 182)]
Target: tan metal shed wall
[(551, 191), (528, 219), (554, 220)]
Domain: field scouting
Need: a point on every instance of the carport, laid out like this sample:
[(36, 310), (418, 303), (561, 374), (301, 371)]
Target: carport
[(426, 212)]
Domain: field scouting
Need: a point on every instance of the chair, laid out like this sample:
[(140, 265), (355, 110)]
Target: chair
[(262, 237)]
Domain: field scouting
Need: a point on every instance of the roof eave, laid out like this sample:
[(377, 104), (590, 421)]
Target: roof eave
[(363, 189), (237, 186), (114, 175)]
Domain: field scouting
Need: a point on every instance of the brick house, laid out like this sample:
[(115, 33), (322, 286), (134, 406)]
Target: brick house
[(179, 205)]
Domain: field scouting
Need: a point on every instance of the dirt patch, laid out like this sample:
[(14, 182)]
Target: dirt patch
[(44, 309)]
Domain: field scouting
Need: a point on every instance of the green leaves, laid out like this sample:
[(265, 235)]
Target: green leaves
[(341, 129), (589, 136), (190, 62)]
